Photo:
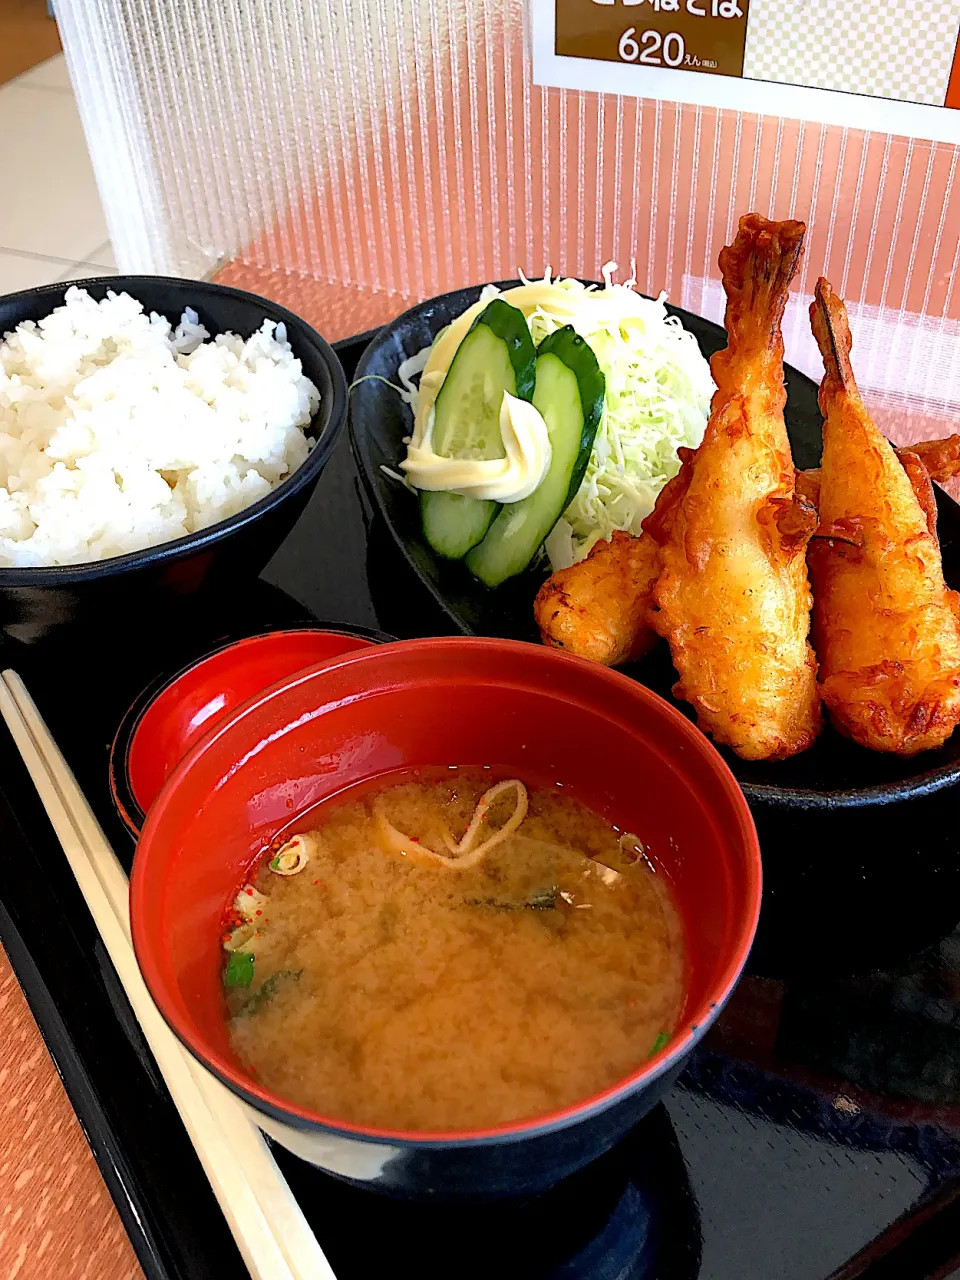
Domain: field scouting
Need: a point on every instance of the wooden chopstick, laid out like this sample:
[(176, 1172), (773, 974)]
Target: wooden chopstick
[(267, 1223)]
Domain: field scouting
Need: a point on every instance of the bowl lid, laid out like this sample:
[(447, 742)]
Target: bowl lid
[(175, 710)]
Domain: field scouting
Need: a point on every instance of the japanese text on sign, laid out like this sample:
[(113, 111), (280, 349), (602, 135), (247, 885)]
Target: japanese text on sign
[(877, 65), (690, 35), (717, 9)]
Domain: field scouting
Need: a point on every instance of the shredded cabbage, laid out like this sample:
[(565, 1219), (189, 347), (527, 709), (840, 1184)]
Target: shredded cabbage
[(658, 390)]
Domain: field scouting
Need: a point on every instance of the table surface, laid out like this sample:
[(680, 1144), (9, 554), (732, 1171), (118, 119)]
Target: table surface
[(820, 1116)]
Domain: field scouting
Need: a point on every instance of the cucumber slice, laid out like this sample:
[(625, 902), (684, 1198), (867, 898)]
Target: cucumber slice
[(569, 394), (496, 355), (452, 524)]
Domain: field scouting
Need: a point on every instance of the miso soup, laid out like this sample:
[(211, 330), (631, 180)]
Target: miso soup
[(451, 951)]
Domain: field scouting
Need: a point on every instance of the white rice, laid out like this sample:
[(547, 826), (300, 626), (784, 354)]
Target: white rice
[(118, 432)]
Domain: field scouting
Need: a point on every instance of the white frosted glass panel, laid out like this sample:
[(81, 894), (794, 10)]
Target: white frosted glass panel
[(402, 147)]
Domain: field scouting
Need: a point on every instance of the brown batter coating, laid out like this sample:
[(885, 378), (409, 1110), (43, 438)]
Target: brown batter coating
[(885, 625), (598, 608), (733, 598)]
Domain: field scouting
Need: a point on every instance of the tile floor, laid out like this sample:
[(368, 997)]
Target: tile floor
[(51, 222)]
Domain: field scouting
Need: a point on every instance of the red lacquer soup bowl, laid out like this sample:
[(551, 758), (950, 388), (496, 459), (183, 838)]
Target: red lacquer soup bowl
[(175, 711), (464, 701)]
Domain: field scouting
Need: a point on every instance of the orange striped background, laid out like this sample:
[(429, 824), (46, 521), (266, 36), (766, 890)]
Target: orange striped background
[(466, 171)]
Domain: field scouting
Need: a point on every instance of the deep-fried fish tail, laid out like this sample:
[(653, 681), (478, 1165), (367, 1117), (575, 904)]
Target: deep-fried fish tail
[(598, 608), (733, 597), (922, 486), (885, 625), (940, 458)]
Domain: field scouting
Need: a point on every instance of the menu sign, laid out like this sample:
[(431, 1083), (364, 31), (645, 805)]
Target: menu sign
[(691, 35), (880, 65)]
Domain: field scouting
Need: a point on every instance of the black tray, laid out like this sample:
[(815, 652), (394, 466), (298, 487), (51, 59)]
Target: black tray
[(817, 1134)]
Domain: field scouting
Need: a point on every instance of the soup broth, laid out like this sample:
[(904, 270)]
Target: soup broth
[(539, 962)]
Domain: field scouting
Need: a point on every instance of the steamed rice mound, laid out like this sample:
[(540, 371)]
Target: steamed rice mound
[(118, 432)]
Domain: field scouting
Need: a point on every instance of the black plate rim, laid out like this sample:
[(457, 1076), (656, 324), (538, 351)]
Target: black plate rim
[(765, 794), (327, 424)]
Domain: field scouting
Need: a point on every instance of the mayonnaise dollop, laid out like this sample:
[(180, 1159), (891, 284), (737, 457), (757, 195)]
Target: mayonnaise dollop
[(527, 448)]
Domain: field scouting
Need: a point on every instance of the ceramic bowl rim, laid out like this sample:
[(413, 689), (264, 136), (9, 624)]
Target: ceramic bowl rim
[(696, 1022), (331, 416)]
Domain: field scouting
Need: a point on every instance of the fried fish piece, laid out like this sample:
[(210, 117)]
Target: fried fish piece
[(598, 608), (940, 458), (886, 627), (733, 598)]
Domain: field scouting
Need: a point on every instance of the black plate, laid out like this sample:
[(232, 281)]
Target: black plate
[(835, 771), (820, 1130)]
